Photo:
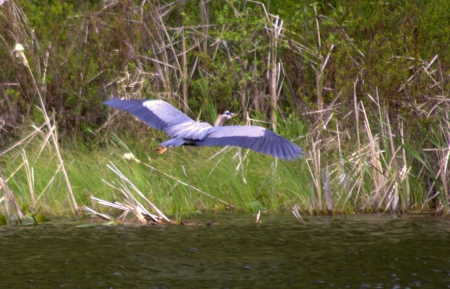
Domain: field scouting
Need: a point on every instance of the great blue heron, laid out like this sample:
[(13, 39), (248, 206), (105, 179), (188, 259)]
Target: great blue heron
[(185, 131)]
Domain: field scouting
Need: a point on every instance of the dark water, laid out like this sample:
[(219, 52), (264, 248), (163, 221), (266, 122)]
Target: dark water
[(366, 251)]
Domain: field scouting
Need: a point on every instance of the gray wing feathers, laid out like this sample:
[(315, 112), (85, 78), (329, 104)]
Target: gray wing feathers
[(189, 130), (156, 113), (252, 137), (185, 131)]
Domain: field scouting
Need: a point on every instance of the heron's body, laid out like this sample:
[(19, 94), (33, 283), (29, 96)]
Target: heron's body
[(185, 131)]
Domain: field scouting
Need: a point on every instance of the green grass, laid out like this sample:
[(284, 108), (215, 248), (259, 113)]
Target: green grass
[(264, 188)]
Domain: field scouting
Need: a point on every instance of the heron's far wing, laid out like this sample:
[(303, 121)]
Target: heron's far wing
[(156, 113), (255, 138)]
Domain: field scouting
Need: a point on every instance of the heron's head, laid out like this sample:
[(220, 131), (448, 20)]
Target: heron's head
[(228, 114), (222, 118)]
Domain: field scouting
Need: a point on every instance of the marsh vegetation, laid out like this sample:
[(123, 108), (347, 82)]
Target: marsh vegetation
[(361, 87)]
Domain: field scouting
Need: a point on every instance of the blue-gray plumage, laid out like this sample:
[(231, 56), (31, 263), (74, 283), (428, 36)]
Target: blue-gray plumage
[(185, 131)]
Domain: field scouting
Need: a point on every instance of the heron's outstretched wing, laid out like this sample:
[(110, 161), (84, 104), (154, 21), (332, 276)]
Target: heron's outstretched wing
[(156, 113), (183, 130), (255, 138)]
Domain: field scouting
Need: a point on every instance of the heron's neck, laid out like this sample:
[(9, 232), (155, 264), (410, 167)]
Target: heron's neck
[(220, 120)]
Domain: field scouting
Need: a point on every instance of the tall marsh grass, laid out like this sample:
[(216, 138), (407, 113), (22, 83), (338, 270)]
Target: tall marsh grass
[(178, 182), (338, 175)]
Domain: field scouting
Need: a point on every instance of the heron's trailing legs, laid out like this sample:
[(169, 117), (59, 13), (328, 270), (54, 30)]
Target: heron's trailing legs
[(161, 150)]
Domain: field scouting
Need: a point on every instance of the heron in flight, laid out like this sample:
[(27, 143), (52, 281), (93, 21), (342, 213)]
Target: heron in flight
[(185, 131)]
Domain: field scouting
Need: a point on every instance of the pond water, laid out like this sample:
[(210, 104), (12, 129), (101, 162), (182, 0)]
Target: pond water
[(361, 251)]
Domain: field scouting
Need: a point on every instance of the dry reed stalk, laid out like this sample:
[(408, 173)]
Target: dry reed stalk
[(388, 187), (315, 172), (184, 76), (257, 217), (443, 163), (374, 158), (243, 88), (313, 203), (273, 72), (302, 50), (256, 93), (342, 175), (10, 200), (22, 141), (161, 36), (44, 75), (296, 213), (97, 214), (134, 204), (393, 196), (240, 165), (113, 168), (49, 183), (441, 77), (30, 179), (442, 173), (15, 171), (162, 68), (222, 152), (405, 165), (442, 155), (355, 102), (327, 192), (414, 76), (204, 16), (320, 72), (53, 133), (366, 159), (45, 141), (187, 180), (4, 187), (360, 178), (129, 198), (128, 208), (395, 163), (316, 18), (115, 205), (163, 28), (324, 61)]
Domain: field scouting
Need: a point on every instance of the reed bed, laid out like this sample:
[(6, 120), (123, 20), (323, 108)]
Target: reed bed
[(375, 177), (362, 156)]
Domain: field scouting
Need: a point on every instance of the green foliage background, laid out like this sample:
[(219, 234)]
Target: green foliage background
[(90, 44)]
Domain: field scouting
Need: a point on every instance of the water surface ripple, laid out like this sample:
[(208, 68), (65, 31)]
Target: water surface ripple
[(365, 251)]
